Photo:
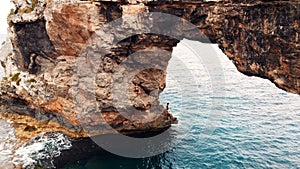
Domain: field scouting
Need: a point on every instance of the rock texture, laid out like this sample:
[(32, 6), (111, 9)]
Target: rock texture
[(49, 39)]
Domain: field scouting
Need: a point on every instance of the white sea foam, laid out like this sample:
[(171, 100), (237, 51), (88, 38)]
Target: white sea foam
[(41, 150), (8, 142)]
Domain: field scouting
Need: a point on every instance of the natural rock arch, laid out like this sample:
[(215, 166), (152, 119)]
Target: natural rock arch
[(260, 37)]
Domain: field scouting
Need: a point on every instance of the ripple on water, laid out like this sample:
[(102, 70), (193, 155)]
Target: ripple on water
[(259, 126), (256, 126)]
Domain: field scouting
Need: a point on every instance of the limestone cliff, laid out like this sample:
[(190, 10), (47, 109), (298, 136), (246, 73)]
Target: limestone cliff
[(48, 37)]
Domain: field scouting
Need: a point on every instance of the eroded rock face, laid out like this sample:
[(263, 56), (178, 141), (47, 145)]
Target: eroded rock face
[(53, 64), (261, 38)]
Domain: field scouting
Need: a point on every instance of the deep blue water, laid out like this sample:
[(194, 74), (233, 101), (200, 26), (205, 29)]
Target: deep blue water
[(244, 122), (226, 119)]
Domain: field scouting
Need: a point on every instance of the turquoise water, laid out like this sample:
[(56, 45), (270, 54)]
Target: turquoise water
[(246, 123), (252, 124)]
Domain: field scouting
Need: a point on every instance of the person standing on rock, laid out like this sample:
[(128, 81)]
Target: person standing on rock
[(167, 107), (136, 89), (32, 64), (168, 115)]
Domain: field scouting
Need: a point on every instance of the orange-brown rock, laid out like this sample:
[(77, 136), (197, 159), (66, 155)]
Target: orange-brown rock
[(260, 37)]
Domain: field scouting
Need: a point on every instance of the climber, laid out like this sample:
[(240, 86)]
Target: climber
[(168, 115), (136, 89), (32, 64), (167, 108)]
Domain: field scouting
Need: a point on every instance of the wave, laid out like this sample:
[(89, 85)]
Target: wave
[(41, 150)]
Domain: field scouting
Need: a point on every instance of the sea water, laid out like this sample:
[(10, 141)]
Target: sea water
[(249, 124), (39, 151), (244, 122)]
